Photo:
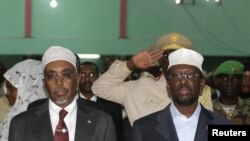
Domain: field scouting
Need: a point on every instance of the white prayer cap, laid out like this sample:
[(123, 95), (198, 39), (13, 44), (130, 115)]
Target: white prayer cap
[(187, 57), (55, 53)]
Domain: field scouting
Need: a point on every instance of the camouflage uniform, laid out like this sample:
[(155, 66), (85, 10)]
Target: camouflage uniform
[(241, 113)]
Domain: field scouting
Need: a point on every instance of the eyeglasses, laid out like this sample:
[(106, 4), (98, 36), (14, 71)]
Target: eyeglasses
[(187, 76), (89, 75), (63, 76)]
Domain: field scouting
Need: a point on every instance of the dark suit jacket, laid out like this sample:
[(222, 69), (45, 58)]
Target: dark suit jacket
[(159, 126), (35, 125), (113, 109)]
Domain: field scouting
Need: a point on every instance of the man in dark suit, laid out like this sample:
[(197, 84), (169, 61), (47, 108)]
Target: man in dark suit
[(185, 119), (45, 123), (89, 73)]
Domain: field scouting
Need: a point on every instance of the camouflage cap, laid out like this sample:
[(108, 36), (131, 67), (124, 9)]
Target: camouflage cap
[(173, 41), (229, 67)]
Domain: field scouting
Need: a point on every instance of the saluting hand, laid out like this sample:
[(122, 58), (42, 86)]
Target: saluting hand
[(145, 59)]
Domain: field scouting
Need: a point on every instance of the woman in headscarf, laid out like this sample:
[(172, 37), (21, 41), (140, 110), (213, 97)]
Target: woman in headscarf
[(24, 85)]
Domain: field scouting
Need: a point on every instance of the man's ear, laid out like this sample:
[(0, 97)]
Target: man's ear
[(202, 85), (78, 77), (168, 91), (45, 88), (203, 82)]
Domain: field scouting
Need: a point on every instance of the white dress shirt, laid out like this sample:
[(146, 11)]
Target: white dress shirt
[(93, 98), (185, 127), (70, 118)]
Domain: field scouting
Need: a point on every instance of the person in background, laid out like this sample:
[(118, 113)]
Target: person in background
[(184, 119), (89, 73), (24, 85), (4, 104), (126, 126), (228, 77), (61, 117), (146, 94), (245, 88), (211, 83), (108, 61)]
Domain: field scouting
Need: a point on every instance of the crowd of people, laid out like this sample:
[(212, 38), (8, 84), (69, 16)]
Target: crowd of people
[(60, 98)]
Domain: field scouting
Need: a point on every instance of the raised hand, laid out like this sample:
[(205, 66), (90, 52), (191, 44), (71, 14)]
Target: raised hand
[(145, 59)]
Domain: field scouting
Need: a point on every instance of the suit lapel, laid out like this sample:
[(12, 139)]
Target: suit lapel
[(165, 126), (41, 124), (85, 124), (204, 121)]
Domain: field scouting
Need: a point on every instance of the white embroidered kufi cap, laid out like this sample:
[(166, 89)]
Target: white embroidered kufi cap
[(187, 57), (55, 53)]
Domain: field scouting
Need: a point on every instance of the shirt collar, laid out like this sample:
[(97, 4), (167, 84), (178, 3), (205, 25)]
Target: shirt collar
[(93, 98), (175, 112), (69, 108)]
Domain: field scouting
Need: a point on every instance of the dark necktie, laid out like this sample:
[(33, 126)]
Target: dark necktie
[(61, 133)]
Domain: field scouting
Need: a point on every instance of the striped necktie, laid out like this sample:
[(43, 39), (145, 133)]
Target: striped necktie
[(61, 133)]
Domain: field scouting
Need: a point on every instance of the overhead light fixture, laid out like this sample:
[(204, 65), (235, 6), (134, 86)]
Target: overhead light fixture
[(218, 2), (186, 2), (178, 1), (89, 56), (53, 3)]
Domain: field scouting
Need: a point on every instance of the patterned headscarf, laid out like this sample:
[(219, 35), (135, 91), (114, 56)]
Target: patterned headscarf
[(27, 77)]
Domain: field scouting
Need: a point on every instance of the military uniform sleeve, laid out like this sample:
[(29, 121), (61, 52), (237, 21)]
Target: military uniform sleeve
[(111, 85), (205, 99)]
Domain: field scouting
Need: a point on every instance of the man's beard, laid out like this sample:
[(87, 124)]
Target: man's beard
[(184, 102)]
